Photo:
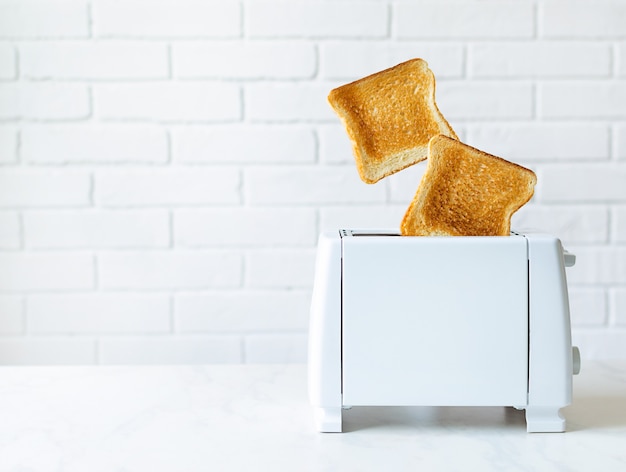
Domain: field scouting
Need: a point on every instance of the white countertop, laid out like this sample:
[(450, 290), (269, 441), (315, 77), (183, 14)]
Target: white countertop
[(225, 418)]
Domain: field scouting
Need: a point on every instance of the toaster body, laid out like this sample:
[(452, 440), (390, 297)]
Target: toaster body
[(441, 321)]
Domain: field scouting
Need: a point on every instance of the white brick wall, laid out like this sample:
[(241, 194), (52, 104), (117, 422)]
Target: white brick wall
[(34, 271), (8, 145), (71, 229), (36, 101), (166, 166), (169, 270), (93, 60), (22, 186), (245, 227), (542, 141), (540, 59), (83, 143), (580, 100), (9, 230), (231, 312), (7, 62), (583, 19), (316, 19), (43, 20), (99, 313), (164, 186), (243, 144), (492, 19), (244, 60), (168, 101)]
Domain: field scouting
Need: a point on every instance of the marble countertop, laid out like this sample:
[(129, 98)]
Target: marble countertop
[(231, 418)]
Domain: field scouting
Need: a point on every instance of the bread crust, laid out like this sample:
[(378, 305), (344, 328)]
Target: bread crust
[(466, 192), (390, 117)]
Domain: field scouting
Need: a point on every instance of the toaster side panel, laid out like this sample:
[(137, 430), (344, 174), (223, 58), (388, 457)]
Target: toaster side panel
[(435, 321), (324, 363), (551, 363)]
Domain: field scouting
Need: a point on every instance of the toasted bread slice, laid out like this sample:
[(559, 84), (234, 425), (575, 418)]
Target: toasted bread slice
[(466, 192), (390, 116)]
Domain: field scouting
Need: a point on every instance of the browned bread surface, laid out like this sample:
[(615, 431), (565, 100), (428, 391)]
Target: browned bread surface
[(390, 116), (466, 192)]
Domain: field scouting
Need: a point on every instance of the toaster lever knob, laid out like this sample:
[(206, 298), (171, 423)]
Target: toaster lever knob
[(569, 259), (575, 360)]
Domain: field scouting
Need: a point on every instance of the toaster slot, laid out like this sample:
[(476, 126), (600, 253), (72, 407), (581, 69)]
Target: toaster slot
[(369, 233)]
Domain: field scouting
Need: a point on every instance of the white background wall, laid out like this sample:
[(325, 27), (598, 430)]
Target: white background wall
[(166, 166)]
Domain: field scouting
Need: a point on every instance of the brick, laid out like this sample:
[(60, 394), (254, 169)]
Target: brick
[(46, 271), (11, 315), (244, 60), (582, 183), (167, 19), (588, 306), (334, 145), (98, 313), (599, 344), (351, 60), (542, 141), (96, 229), (485, 100), (244, 144), (309, 185), (237, 312), (245, 227), (621, 59), (565, 59), (43, 188), (168, 270), (167, 186), (159, 350), (618, 223), (170, 101), (47, 350), (470, 20), (280, 268), (618, 306), (582, 19), (461, 130), (403, 185), (276, 348), (288, 102), (71, 144), (8, 64), (36, 19), (568, 100), (8, 145), (620, 141), (572, 224), (319, 19), (355, 217), (9, 230), (597, 265), (44, 101), (93, 60)]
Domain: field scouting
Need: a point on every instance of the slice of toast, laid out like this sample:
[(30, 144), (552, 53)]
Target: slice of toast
[(466, 192), (390, 116)]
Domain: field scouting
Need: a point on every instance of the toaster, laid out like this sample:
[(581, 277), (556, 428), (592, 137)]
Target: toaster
[(441, 321)]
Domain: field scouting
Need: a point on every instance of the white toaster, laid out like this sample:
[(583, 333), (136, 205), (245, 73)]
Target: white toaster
[(441, 321)]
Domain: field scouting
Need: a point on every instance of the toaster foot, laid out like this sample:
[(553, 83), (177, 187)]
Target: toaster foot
[(544, 419), (328, 420)]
